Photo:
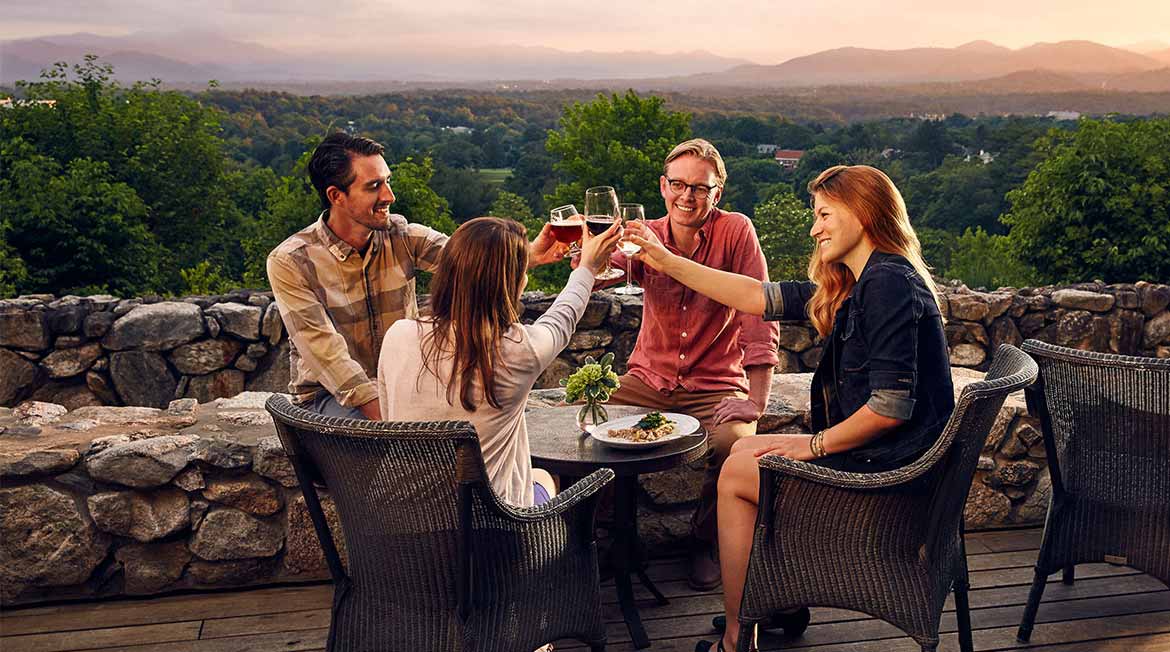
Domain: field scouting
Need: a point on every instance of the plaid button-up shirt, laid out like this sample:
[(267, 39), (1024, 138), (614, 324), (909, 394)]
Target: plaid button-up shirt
[(337, 303)]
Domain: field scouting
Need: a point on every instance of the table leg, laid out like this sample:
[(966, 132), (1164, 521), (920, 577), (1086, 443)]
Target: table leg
[(628, 558)]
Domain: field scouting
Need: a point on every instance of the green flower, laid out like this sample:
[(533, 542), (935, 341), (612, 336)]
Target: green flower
[(594, 381)]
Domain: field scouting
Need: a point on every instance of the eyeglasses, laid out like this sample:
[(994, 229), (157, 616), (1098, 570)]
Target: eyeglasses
[(679, 187)]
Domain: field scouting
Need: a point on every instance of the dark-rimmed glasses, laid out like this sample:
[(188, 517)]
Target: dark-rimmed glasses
[(679, 187)]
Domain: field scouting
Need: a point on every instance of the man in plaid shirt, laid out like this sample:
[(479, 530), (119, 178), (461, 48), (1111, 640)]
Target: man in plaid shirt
[(342, 281)]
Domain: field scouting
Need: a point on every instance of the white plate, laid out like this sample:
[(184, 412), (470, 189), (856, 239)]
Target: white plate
[(683, 425)]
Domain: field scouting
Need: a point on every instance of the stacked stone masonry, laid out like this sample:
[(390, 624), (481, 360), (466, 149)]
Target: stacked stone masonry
[(134, 461)]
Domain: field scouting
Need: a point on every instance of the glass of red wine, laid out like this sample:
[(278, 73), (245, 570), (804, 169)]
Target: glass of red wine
[(566, 225), (601, 210)]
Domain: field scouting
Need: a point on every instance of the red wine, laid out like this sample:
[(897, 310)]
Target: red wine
[(567, 231), (598, 223)]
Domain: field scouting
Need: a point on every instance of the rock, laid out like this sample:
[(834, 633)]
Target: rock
[(985, 463), (1013, 448), (65, 363), (70, 396), (663, 530), (227, 382), (247, 418), (20, 431), (584, 340), (204, 356), (142, 378), (98, 324), (1125, 332), (189, 479), (997, 304), (228, 573), (23, 329), (552, 375), (1034, 509), (985, 507), (223, 453), (259, 300), (142, 516), (1082, 300), (999, 430), (302, 550), (237, 319), (68, 342), (150, 569), (1157, 331), (66, 318), (676, 487), (967, 355), (16, 376), (795, 338), (1013, 474), (1154, 298), (1127, 299), (256, 350), (968, 307), (629, 315), (213, 327), (1029, 434), (958, 332), (1032, 324), (271, 462), (199, 509), (228, 533), (1004, 331), (581, 357), (812, 357), (45, 540), (271, 326), (247, 494), (182, 407), (143, 463), (156, 327), (244, 401), (121, 416), (789, 363), (35, 413), (244, 363), (622, 347), (272, 371), (26, 465), (600, 307)]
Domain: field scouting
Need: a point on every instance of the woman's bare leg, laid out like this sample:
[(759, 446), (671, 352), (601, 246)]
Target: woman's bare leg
[(546, 480), (739, 497)]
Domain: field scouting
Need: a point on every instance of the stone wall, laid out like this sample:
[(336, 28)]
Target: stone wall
[(78, 351)]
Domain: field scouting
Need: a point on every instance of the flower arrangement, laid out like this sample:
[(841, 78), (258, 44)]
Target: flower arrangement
[(594, 382)]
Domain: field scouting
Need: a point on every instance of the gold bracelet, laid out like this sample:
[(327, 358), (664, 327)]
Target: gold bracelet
[(817, 444)]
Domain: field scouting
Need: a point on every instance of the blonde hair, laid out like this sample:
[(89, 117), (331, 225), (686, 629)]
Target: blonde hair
[(875, 201), (704, 150)]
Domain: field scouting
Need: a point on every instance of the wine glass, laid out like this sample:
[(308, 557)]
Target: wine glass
[(601, 209), (630, 213), (566, 225)]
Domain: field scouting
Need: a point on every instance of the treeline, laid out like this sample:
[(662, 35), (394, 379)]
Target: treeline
[(137, 190)]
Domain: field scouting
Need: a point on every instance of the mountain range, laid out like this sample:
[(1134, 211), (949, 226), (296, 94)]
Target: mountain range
[(193, 58)]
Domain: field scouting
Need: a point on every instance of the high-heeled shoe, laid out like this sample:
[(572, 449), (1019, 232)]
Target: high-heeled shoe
[(793, 623)]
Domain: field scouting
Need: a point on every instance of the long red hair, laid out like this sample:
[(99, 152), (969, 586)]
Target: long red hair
[(872, 197)]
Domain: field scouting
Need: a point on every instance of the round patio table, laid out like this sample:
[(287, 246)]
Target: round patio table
[(559, 447)]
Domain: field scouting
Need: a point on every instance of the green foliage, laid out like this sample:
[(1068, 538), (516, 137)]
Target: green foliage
[(204, 279), (986, 260), (414, 197), (1098, 205), (814, 161), (618, 141), (937, 247), (956, 195), (290, 205), (546, 278), (593, 382), (73, 227), (467, 192), (782, 225), (12, 269)]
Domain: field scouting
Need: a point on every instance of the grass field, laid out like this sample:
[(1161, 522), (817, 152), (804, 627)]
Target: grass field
[(495, 176)]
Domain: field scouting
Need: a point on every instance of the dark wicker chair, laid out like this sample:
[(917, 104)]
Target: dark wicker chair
[(1106, 423), (436, 561), (887, 544)]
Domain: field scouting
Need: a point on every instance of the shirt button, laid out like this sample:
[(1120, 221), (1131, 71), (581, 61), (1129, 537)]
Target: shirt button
[(684, 334), (682, 356), (684, 308)]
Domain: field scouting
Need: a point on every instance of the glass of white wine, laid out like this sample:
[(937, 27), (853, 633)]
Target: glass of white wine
[(630, 213)]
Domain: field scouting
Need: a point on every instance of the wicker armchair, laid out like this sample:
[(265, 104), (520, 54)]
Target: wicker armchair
[(1106, 423), (435, 560), (888, 544)]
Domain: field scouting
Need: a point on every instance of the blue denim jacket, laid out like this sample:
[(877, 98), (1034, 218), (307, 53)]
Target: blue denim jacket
[(887, 349)]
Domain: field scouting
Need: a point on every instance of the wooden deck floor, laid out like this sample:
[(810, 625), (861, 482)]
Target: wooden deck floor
[(1108, 609)]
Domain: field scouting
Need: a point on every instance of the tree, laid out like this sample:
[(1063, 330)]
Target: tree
[(957, 195), (618, 141), (814, 161), (1098, 205), (12, 269), (986, 260), (466, 191), (782, 225), (546, 278)]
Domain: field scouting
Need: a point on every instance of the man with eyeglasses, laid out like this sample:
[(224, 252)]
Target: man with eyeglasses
[(694, 355)]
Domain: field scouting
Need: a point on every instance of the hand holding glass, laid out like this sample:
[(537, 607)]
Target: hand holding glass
[(601, 209), (630, 213), (566, 225)]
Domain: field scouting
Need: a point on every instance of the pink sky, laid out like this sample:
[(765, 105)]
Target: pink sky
[(766, 31)]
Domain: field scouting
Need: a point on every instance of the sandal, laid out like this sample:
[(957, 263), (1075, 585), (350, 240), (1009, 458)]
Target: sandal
[(793, 623), (708, 646)]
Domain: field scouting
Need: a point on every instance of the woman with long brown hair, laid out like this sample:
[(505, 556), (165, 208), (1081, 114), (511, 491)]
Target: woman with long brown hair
[(472, 359), (882, 392)]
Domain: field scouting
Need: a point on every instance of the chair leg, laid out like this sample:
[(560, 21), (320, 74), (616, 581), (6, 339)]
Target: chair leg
[(597, 647), (1029, 619), (929, 648), (963, 616), (1069, 574)]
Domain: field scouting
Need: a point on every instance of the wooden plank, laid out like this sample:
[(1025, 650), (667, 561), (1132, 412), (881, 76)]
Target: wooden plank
[(1007, 540), (105, 637), (265, 623), (313, 639), (172, 608)]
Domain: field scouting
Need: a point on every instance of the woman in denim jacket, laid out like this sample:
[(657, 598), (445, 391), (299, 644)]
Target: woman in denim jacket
[(882, 392)]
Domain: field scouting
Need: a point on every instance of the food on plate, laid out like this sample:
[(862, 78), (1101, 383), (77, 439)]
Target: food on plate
[(652, 427)]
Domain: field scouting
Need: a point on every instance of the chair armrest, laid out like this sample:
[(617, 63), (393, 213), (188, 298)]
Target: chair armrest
[(561, 503), (847, 480)]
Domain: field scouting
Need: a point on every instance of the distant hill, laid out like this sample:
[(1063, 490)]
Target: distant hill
[(1160, 55)]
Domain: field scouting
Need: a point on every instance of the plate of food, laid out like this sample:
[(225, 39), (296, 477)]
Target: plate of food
[(644, 430)]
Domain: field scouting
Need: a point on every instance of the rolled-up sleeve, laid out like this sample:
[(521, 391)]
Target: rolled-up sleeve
[(891, 308), (317, 342), (787, 300), (759, 339)]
